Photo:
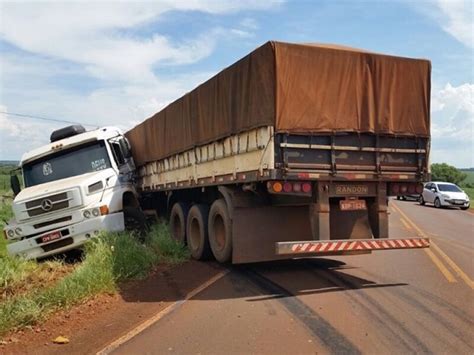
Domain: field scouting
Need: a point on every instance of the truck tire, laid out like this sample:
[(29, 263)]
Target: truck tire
[(135, 221), (220, 231), (178, 216), (196, 232)]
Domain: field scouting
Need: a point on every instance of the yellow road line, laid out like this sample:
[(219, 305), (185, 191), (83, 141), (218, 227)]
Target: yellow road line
[(454, 266), (449, 276), (405, 223), (446, 258)]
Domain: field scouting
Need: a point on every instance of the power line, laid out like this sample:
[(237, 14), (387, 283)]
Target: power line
[(46, 118)]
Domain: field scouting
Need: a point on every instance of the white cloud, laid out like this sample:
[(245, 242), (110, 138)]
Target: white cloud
[(249, 23), (6, 125), (91, 62), (453, 112), (458, 20), (453, 124), (453, 16), (98, 34)]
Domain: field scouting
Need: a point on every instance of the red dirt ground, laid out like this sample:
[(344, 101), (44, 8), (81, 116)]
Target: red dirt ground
[(96, 323)]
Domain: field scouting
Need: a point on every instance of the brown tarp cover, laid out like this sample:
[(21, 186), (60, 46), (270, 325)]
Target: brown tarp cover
[(297, 88)]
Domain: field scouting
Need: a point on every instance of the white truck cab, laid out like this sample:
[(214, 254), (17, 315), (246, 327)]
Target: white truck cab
[(76, 186)]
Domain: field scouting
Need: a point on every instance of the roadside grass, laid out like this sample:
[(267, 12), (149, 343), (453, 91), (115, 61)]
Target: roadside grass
[(470, 192), (108, 260), (469, 178)]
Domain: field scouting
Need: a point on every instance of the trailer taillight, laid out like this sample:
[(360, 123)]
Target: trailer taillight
[(277, 186), (306, 187), (289, 187)]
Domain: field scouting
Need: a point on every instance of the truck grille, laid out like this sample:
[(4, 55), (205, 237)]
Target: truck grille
[(47, 204)]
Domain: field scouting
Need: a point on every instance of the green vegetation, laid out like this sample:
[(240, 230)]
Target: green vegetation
[(470, 193), (5, 177), (30, 290), (469, 180), (448, 173)]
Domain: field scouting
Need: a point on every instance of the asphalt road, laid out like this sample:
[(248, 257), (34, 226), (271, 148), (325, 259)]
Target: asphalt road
[(387, 302)]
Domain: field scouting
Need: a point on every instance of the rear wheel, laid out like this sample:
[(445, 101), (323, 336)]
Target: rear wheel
[(421, 200), (196, 232), (178, 216), (220, 231), (437, 203)]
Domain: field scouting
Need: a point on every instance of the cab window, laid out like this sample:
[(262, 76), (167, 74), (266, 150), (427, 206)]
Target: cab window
[(117, 151)]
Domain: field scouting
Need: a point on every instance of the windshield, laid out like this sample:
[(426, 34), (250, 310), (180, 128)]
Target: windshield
[(449, 188), (72, 162)]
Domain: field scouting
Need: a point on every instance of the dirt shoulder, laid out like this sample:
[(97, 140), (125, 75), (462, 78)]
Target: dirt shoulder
[(95, 324)]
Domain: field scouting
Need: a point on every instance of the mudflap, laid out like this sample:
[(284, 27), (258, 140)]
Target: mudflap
[(257, 229), (349, 224)]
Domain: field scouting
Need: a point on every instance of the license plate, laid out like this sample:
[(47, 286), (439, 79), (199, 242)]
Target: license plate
[(50, 237), (352, 205)]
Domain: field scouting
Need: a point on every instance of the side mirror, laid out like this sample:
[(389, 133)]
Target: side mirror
[(433, 189), (125, 147), (15, 184)]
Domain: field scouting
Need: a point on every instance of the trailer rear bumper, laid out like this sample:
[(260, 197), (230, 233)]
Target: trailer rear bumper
[(338, 246)]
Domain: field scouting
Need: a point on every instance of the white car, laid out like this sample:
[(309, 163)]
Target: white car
[(443, 194)]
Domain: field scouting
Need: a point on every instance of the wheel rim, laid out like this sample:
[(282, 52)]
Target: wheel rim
[(219, 232), (176, 227), (437, 204), (194, 234)]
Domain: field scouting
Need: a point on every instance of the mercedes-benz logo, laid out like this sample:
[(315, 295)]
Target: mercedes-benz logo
[(46, 205)]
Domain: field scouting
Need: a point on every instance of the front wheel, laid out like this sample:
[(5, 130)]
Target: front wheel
[(465, 208), (437, 203), (135, 221)]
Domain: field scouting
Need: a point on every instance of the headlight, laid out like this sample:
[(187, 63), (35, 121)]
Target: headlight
[(87, 214), (445, 196), (96, 212), (18, 231), (10, 233)]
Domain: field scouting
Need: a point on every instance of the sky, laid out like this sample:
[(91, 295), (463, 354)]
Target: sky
[(117, 63)]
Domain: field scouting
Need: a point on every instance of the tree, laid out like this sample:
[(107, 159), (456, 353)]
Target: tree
[(446, 172)]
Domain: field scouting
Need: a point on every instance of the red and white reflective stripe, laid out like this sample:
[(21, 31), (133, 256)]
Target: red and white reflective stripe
[(333, 246)]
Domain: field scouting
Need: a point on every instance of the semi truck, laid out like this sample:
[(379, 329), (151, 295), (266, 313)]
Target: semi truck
[(78, 185), (290, 152)]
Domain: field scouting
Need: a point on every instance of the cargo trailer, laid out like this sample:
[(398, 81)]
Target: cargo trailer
[(291, 151)]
